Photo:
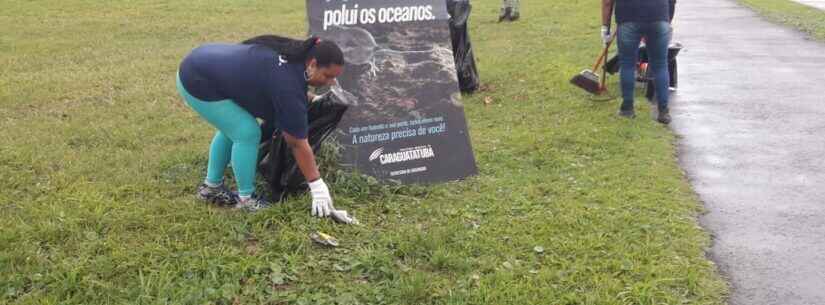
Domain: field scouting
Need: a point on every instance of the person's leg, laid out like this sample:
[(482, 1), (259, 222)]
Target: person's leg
[(245, 137), (628, 39), (213, 189), (236, 126), (658, 38), (220, 153)]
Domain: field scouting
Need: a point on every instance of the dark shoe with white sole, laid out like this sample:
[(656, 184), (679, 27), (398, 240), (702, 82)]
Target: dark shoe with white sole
[(253, 204), (629, 113), (219, 195), (664, 116)]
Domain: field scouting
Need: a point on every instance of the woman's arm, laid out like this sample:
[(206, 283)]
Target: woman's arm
[(303, 156), (607, 12), (321, 198)]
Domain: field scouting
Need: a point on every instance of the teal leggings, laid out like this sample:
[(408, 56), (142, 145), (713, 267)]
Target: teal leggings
[(236, 140)]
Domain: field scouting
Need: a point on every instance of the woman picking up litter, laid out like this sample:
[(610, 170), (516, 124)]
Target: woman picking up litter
[(266, 77)]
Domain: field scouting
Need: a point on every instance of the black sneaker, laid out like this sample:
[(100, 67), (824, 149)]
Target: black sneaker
[(219, 195), (664, 116), (252, 204), (630, 113)]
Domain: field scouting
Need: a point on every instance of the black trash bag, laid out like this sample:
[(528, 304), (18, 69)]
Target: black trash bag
[(465, 62), (672, 69), (612, 65), (277, 164)]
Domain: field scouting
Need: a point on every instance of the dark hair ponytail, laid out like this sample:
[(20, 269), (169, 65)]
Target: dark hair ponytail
[(325, 52)]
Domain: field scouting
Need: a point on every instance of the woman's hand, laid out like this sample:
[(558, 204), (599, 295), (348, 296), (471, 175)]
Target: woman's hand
[(321, 199), (606, 36)]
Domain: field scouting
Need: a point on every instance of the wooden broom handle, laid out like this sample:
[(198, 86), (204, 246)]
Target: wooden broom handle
[(604, 53)]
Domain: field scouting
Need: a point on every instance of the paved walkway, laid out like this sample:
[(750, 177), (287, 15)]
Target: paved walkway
[(750, 113), (820, 4)]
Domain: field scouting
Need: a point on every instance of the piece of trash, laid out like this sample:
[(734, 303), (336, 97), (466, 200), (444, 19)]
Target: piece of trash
[(475, 225), (488, 100), (538, 249), (340, 268), (507, 265), (475, 279), (323, 239), (533, 271), (343, 217)]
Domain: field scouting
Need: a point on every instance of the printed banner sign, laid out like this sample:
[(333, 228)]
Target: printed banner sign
[(406, 121)]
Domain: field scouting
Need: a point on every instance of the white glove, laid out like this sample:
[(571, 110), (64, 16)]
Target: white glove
[(606, 38), (321, 199)]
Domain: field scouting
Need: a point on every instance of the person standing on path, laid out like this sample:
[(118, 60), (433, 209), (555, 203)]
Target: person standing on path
[(637, 19), (266, 77)]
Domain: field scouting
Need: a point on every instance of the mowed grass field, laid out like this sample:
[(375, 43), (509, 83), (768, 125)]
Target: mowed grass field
[(807, 19), (99, 160)]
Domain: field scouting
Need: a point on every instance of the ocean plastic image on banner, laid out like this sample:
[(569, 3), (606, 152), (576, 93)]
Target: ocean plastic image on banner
[(405, 121)]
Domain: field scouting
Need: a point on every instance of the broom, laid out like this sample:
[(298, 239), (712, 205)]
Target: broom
[(588, 79)]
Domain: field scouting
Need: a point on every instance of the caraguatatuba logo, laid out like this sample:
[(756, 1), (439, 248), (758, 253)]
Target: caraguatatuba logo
[(403, 155)]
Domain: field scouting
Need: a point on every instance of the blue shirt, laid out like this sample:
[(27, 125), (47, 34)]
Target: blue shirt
[(642, 10), (255, 78)]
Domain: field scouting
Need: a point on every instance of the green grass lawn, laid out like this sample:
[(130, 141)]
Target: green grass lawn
[(99, 159), (805, 18)]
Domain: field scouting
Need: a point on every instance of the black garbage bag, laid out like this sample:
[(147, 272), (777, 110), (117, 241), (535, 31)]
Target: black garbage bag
[(277, 164), (672, 68), (465, 62), (612, 65)]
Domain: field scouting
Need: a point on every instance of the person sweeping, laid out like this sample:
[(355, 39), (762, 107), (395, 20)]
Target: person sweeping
[(637, 19), (266, 77)]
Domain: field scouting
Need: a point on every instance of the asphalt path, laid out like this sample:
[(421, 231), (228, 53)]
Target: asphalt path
[(750, 115)]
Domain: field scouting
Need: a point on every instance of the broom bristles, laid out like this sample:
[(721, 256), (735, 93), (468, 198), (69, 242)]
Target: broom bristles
[(588, 81)]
